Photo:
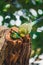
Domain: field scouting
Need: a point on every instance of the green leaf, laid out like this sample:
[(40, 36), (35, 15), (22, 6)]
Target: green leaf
[(27, 1), (23, 19), (15, 35)]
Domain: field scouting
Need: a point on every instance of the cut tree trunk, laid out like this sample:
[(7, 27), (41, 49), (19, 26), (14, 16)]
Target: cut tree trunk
[(18, 51)]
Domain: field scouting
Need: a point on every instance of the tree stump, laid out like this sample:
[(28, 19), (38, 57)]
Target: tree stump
[(18, 50)]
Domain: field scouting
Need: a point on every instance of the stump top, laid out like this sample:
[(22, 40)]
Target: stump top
[(9, 39)]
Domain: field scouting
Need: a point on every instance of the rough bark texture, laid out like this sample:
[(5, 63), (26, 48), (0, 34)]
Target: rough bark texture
[(3, 43), (17, 51)]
